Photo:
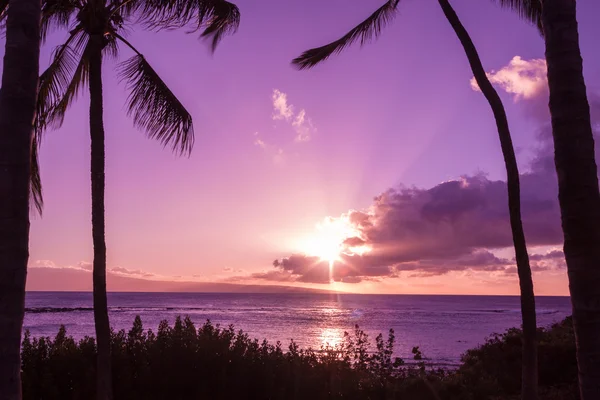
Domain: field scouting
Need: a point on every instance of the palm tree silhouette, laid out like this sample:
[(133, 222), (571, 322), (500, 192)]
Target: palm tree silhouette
[(370, 28), (95, 29), (18, 167), (578, 193)]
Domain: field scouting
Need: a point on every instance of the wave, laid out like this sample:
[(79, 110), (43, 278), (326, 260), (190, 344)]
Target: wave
[(39, 310), (513, 311), (315, 313)]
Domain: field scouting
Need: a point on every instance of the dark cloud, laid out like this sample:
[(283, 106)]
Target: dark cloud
[(450, 227), (304, 269), (455, 218), (455, 226), (274, 275), (356, 268), (551, 255)]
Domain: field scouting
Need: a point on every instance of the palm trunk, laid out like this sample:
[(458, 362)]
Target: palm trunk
[(104, 379), (17, 111), (577, 184), (529, 358)]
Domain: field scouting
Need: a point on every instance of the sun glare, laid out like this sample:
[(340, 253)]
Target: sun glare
[(327, 242), (327, 248)]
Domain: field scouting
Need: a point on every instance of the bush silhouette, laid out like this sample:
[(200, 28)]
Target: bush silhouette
[(214, 362)]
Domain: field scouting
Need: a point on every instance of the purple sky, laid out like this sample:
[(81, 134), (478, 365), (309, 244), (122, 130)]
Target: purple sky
[(399, 111)]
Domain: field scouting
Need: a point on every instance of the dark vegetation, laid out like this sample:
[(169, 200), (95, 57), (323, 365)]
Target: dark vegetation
[(212, 362)]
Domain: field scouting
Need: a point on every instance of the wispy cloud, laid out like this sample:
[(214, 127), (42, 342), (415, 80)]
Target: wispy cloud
[(523, 78), (87, 266), (276, 153), (301, 122), (281, 108), (260, 143), (303, 126)]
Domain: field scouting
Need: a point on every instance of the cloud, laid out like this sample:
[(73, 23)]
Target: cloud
[(87, 266), (459, 225), (552, 260), (281, 109), (260, 143), (233, 270), (276, 153), (551, 255), (303, 126), (454, 226), (300, 122), (354, 268), (525, 79), (130, 272), (81, 265)]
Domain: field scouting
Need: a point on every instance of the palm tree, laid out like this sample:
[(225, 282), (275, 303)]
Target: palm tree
[(577, 172), (95, 30), (371, 27), (17, 111)]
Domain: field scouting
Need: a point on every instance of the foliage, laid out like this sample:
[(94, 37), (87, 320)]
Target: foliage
[(494, 367), (213, 362)]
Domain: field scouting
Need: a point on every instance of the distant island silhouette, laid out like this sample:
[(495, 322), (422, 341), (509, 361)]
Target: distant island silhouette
[(74, 280)]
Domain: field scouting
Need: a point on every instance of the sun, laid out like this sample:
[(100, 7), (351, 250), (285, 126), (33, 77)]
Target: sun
[(326, 247), (327, 242)]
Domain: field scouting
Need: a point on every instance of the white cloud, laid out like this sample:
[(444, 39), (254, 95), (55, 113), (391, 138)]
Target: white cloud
[(274, 152), (525, 79), (260, 143), (281, 108), (303, 126)]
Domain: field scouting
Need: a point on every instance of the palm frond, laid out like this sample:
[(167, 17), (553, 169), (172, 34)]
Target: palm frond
[(225, 20), (35, 190), (529, 10), (125, 8), (56, 79), (216, 18), (3, 9), (3, 14), (56, 113), (112, 48), (57, 14), (154, 108), (365, 31)]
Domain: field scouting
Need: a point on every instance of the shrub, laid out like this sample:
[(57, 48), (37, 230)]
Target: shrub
[(214, 362)]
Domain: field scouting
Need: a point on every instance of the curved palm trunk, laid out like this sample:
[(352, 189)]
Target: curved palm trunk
[(577, 184), (17, 111), (529, 360), (104, 379)]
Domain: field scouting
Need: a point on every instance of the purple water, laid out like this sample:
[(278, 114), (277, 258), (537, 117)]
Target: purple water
[(442, 326)]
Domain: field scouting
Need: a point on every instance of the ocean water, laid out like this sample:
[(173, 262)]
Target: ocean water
[(442, 326)]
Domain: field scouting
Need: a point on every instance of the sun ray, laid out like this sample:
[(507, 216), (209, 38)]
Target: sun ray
[(328, 243)]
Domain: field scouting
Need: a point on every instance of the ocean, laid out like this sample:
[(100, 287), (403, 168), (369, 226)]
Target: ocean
[(442, 326)]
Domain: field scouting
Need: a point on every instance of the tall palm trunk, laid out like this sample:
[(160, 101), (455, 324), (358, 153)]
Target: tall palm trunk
[(577, 184), (529, 358), (104, 379), (17, 111)]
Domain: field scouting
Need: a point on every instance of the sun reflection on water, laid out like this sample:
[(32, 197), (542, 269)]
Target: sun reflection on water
[(331, 336)]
